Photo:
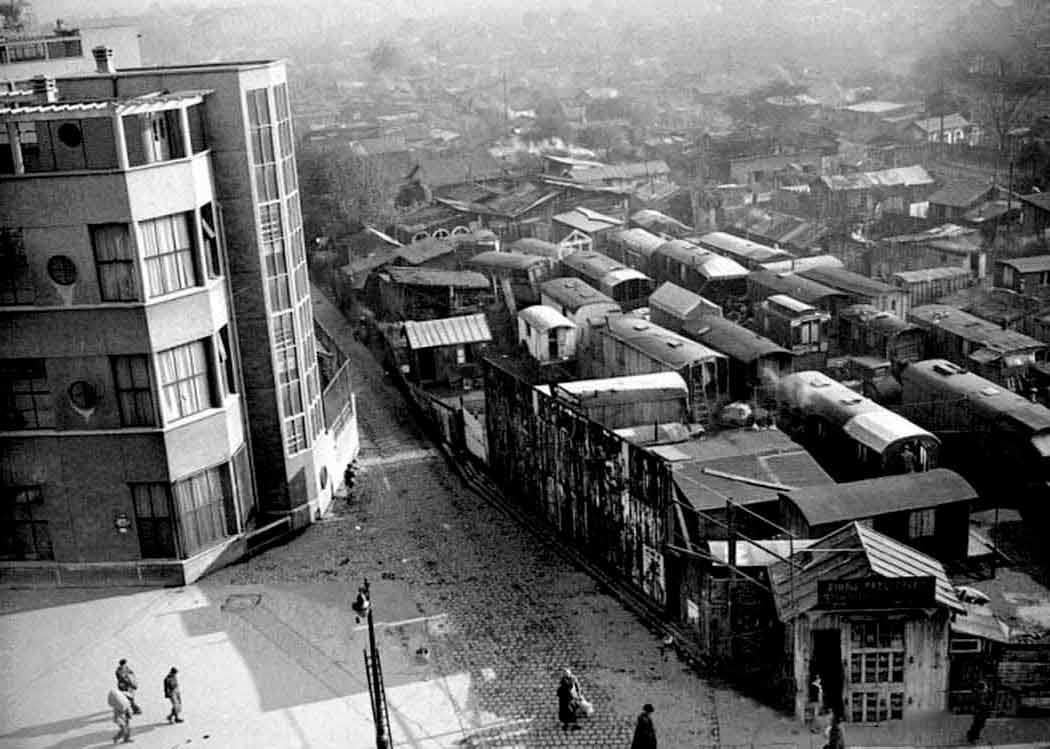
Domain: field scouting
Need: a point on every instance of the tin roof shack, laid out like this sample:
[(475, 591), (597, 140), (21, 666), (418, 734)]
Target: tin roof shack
[(861, 289), (867, 331), (583, 229), (515, 277), (628, 346), (633, 247), (930, 284), (864, 195), (762, 284), (1035, 213), (423, 293), (745, 467), (446, 351), (578, 301), (672, 307), (750, 254), (755, 362), (800, 328), (549, 336), (870, 617), (776, 229), (429, 252), (946, 245), (955, 199), (1023, 273), (1003, 356), (637, 404), (929, 511), (429, 220)]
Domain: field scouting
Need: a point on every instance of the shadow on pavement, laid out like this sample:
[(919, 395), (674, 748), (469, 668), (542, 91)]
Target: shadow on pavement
[(17, 599), (59, 726)]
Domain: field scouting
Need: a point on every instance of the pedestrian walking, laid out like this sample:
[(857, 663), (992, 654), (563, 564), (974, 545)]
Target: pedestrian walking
[(568, 700), (121, 706), (982, 709), (644, 732), (836, 739), (128, 684), (171, 692)]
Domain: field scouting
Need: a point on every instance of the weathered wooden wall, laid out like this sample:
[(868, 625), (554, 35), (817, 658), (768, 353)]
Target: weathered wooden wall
[(606, 497)]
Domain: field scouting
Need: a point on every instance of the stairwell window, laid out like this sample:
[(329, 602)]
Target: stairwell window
[(184, 381), (168, 252), (115, 263), (201, 507)]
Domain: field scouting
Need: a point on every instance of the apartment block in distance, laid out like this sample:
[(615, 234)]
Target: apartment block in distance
[(62, 51), (162, 408)]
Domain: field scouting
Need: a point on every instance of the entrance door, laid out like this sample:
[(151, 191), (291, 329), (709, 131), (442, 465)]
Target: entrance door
[(827, 664), (426, 365)]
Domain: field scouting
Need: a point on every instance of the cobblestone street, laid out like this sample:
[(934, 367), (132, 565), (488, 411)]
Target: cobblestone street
[(489, 600)]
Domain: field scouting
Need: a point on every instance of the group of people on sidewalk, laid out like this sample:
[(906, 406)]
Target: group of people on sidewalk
[(122, 699)]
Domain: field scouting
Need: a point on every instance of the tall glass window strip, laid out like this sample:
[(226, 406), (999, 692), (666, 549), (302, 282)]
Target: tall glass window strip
[(23, 533), (115, 263), (25, 398), (134, 391), (184, 381), (264, 159), (168, 252), (201, 508)]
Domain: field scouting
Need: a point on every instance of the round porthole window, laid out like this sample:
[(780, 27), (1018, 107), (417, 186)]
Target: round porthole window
[(70, 135), (324, 476), (83, 395), (62, 270)]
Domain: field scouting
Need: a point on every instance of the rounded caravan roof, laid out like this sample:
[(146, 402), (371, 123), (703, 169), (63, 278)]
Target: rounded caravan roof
[(545, 318), (660, 343), (984, 396), (574, 293), (619, 275), (720, 241), (507, 260), (639, 239), (709, 264), (594, 264), (861, 418)]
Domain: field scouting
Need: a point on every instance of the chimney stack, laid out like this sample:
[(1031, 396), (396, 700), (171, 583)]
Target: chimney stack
[(103, 59), (44, 89)]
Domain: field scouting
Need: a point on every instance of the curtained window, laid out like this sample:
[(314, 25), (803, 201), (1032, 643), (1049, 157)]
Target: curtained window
[(115, 263), (168, 253), (201, 507), (134, 391), (184, 381)]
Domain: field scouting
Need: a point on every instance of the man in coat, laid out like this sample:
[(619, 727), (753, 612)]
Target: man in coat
[(644, 732), (127, 683), (171, 692)]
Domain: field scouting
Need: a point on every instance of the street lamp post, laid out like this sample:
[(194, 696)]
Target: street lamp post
[(374, 670)]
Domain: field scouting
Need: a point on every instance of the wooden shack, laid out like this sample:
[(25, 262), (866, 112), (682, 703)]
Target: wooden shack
[(799, 327), (755, 362), (672, 307), (761, 284), (861, 289), (929, 511), (425, 293), (867, 331), (445, 351), (869, 616), (633, 247), (549, 336), (930, 284), (515, 277), (625, 402)]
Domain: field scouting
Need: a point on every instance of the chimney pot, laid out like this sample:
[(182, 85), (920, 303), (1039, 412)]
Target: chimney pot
[(44, 89), (103, 59)]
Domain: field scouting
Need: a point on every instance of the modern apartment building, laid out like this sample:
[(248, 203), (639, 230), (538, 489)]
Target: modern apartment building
[(161, 402), (61, 51)]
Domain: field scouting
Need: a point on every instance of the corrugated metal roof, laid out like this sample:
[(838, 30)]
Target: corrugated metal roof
[(851, 552), (791, 304), (1031, 264), (876, 319), (848, 281), (449, 331), (545, 318), (419, 252), (858, 500), (961, 193), (980, 621), (793, 285), (937, 124), (734, 340), (131, 105), (460, 279), (675, 300), (639, 240), (650, 219), (508, 260), (607, 172), (586, 220), (738, 247)]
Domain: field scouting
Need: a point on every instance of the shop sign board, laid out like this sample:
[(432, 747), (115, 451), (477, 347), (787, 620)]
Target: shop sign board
[(877, 593)]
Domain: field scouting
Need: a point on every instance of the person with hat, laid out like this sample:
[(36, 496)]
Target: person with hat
[(128, 684), (644, 732), (171, 692)]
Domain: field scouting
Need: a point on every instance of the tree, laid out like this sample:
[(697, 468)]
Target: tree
[(15, 14), (342, 191)]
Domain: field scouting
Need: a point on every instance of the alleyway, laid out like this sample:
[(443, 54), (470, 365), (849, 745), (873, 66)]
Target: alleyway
[(502, 607)]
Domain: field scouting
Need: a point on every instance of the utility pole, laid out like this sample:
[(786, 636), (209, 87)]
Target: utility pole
[(374, 670)]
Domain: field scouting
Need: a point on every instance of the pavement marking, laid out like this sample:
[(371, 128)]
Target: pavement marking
[(401, 456)]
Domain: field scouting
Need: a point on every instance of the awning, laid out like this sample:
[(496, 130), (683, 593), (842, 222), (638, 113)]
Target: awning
[(449, 331)]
